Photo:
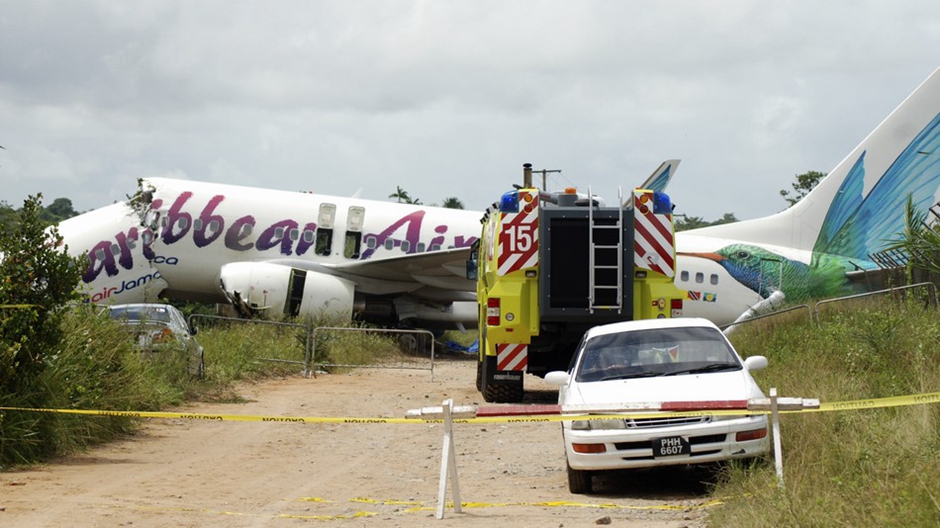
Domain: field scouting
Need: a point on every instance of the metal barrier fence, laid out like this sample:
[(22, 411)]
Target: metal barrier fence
[(928, 285), (814, 316), (307, 340), (809, 315), (397, 361), (411, 340)]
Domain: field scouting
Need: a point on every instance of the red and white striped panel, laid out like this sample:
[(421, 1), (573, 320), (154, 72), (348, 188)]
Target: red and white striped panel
[(519, 239), (653, 244), (512, 357), (671, 406)]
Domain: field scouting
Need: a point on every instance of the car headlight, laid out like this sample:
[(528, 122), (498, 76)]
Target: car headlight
[(588, 425)]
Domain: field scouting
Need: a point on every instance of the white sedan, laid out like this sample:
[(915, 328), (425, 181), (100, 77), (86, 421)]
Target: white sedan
[(657, 364)]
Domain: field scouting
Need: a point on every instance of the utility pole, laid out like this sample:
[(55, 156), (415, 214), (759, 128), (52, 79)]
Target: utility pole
[(527, 173)]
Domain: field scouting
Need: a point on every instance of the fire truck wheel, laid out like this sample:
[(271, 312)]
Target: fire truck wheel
[(579, 481), (479, 375), (503, 393)]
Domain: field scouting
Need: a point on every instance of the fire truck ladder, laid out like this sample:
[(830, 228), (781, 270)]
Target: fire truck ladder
[(604, 257)]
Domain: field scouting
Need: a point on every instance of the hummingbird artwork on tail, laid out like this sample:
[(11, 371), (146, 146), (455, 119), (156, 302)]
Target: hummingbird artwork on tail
[(858, 210)]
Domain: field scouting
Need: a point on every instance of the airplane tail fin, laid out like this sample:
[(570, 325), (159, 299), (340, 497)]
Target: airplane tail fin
[(859, 205), (659, 179)]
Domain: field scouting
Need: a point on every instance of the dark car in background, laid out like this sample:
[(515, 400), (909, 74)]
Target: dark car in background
[(158, 327)]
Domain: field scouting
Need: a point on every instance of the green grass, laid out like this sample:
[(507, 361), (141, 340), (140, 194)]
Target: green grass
[(96, 367), (872, 467), (875, 467)]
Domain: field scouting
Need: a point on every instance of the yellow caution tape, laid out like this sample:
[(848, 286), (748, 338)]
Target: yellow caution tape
[(416, 507), (895, 401)]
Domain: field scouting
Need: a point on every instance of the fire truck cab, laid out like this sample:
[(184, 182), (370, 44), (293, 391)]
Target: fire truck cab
[(550, 266)]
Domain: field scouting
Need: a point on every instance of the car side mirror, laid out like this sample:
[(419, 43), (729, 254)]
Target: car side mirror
[(557, 378), (472, 269), (755, 363)]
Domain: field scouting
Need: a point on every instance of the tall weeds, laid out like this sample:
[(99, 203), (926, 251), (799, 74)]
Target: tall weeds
[(872, 467)]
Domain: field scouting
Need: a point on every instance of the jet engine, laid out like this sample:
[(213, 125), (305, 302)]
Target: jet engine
[(273, 290)]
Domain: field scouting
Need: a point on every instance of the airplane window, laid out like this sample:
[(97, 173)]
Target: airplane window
[(214, 226), (278, 232), (151, 218), (131, 243), (197, 224), (246, 230), (684, 276), (99, 254), (371, 242), (420, 247), (115, 249), (308, 236), (699, 277), (713, 279), (294, 234), (435, 247), (146, 238), (163, 221), (389, 243), (405, 246), (183, 223)]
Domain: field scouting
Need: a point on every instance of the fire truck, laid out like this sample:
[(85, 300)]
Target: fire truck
[(550, 266)]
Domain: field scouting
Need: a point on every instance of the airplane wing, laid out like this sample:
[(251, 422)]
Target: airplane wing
[(444, 269)]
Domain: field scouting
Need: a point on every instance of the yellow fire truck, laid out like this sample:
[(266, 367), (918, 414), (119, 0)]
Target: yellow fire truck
[(550, 266)]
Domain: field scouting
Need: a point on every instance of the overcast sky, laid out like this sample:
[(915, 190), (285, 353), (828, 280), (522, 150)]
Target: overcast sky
[(447, 98)]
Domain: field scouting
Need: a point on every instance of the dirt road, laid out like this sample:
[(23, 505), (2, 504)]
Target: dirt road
[(195, 473)]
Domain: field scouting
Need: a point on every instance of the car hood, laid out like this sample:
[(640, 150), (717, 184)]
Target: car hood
[(718, 386)]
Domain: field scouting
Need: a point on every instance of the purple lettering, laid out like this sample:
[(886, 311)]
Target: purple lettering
[(96, 265), (207, 219), (240, 230), (126, 260), (277, 234), (460, 241), (147, 239), (438, 241), (174, 217), (412, 233), (304, 244)]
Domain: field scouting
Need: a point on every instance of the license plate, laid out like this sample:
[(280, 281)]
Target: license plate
[(670, 446)]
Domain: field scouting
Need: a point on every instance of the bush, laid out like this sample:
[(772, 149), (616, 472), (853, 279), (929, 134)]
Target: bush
[(38, 281)]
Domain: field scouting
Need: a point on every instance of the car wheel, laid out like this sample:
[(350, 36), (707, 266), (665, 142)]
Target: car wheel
[(579, 481)]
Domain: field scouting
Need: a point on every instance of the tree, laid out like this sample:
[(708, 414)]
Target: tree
[(685, 223), (727, 218), (401, 195), (8, 216), (37, 279), (452, 202), (920, 240), (58, 210), (804, 184)]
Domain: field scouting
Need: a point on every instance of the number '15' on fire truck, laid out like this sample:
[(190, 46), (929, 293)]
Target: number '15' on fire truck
[(550, 266)]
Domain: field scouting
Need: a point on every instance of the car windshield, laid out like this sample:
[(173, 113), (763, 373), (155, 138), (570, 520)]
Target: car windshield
[(148, 314), (655, 352)]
